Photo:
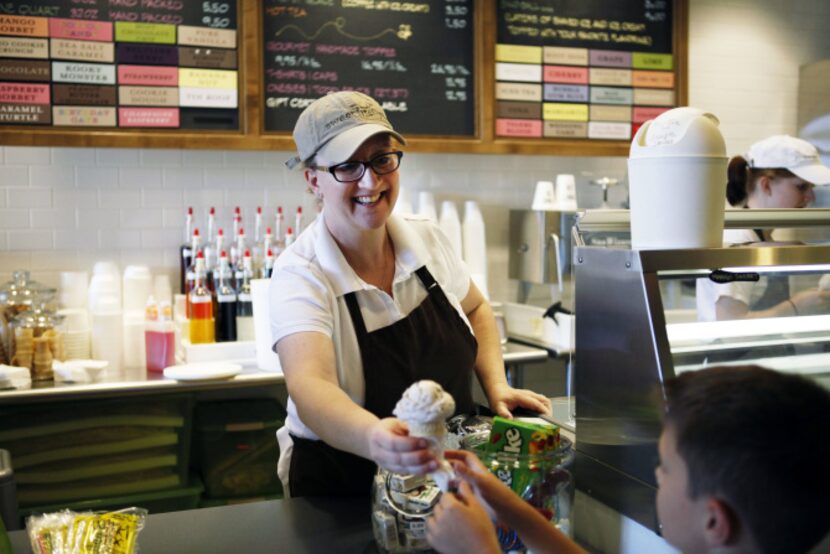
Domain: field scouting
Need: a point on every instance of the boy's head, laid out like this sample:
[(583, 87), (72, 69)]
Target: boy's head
[(744, 461)]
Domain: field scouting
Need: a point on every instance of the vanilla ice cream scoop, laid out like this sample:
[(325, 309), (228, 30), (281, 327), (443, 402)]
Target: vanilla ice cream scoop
[(424, 407)]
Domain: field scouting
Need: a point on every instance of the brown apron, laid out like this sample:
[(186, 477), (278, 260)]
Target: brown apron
[(432, 342)]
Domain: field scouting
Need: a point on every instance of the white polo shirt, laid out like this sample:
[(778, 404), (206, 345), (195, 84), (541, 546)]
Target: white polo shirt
[(311, 278)]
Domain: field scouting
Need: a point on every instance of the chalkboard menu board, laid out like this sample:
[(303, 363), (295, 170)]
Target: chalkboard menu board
[(415, 58), (162, 64), (587, 69)]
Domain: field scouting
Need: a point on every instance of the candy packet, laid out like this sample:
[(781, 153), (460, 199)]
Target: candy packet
[(68, 532)]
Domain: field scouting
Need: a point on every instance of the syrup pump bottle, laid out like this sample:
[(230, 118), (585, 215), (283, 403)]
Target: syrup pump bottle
[(213, 269), (279, 223), (237, 253), (211, 254), (225, 302), (202, 325), (244, 305), (268, 265), (190, 274), (185, 252)]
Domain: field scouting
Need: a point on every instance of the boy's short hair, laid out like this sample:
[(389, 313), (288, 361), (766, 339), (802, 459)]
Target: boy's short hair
[(757, 439)]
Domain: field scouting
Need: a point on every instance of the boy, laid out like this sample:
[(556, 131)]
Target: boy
[(744, 467)]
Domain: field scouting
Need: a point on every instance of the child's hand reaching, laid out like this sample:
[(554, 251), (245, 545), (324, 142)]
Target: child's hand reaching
[(497, 497), (460, 523)]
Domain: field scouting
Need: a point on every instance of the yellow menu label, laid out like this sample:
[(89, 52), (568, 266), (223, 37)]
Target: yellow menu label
[(565, 112), (518, 54), (207, 78), (644, 60), (155, 33)]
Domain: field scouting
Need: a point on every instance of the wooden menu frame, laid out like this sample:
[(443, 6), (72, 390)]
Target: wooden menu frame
[(251, 135)]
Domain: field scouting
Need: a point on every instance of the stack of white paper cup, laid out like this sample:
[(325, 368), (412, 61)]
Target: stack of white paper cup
[(404, 204), (104, 283), (135, 354), (107, 333), (544, 198), (475, 245), (75, 333), (450, 223), (73, 289), (566, 192), (426, 205), (266, 358)]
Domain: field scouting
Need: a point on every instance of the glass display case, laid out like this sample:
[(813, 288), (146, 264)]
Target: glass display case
[(646, 316)]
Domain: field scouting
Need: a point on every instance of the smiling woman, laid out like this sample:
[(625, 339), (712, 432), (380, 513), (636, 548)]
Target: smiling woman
[(365, 303)]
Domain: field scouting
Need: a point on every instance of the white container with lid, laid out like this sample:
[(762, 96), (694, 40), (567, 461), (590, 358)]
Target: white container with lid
[(137, 287), (677, 181)]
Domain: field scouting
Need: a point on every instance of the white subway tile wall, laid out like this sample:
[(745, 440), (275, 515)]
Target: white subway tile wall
[(66, 208)]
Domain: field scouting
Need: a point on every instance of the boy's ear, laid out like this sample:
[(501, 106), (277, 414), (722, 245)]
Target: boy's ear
[(721, 527)]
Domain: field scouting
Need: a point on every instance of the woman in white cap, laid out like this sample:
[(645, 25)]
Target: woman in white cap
[(363, 304), (777, 172)]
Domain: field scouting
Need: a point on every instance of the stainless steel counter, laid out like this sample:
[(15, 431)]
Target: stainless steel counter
[(139, 384)]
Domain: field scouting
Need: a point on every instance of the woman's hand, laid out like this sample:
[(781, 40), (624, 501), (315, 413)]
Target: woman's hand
[(504, 398), (812, 301), (391, 447), (459, 523)]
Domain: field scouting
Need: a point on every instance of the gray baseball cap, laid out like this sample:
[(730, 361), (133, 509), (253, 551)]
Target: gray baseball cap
[(335, 125)]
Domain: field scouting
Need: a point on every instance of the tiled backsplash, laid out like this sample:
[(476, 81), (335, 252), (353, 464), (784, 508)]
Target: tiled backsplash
[(66, 208)]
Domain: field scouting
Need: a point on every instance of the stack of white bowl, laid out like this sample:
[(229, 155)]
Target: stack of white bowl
[(73, 299)]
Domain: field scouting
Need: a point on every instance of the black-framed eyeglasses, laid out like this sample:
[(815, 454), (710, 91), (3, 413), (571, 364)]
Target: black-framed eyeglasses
[(354, 170)]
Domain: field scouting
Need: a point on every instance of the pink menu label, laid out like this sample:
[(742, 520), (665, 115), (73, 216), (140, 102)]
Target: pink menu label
[(642, 114), (159, 76), (518, 128), (80, 29), (565, 74), (148, 117), (23, 93)]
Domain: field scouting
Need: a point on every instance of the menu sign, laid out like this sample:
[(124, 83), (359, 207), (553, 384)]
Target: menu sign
[(415, 58), (119, 63), (594, 66)]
